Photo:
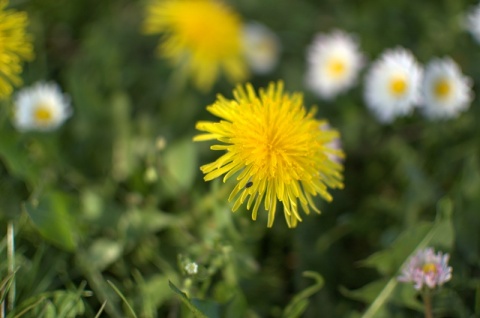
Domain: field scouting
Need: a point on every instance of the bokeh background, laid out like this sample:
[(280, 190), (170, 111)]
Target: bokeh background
[(113, 203)]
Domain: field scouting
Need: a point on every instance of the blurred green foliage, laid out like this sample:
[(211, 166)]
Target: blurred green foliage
[(115, 196)]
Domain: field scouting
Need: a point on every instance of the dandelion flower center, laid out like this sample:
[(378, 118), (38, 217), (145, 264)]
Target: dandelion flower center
[(336, 68), (429, 268), (442, 88), (398, 85), (43, 114), (277, 149)]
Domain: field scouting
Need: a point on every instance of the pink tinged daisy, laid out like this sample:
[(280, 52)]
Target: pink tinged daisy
[(428, 269), (473, 22), (335, 145), (42, 107), (334, 61), (392, 87), (261, 46), (446, 91)]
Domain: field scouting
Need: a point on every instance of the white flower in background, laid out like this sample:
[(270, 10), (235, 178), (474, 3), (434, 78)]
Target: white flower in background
[(42, 107), (261, 46), (191, 268), (473, 22), (446, 92), (392, 87), (334, 61)]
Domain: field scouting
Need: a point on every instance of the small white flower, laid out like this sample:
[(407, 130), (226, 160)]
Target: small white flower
[(472, 22), (334, 61), (42, 107), (446, 91), (191, 268), (392, 87), (261, 46)]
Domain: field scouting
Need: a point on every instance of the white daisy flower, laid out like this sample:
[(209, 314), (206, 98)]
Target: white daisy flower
[(261, 46), (334, 61), (473, 22), (446, 92), (42, 107), (392, 87), (191, 268)]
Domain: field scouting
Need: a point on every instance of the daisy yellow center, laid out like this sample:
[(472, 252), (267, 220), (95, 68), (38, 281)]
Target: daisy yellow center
[(429, 268), (43, 114), (265, 48), (336, 68), (442, 88), (277, 149), (398, 85)]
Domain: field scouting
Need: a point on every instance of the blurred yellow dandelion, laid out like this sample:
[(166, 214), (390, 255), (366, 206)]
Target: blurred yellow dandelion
[(200, 37), (16, 46), (279, 150)]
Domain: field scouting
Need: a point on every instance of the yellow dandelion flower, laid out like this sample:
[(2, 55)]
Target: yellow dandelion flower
[(279, 150), (201, 37), (16, 46)]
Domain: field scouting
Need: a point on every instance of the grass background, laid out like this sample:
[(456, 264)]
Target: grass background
[(115, 195)]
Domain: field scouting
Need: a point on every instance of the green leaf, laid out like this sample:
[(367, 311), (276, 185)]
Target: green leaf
[(181, 165), (122, 148), (389, 260), (68, 304), (367, 293), (437, 234), (14, 192), (402, 294), (200, 308), (137, 224), (52, 217), (210, 308), (102, 253), (60, 303), (299, 302), (124, 299), (237, 306), (154, 292), (14, 156)]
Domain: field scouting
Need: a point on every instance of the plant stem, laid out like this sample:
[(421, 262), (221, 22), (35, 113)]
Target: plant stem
[(427, 301), (11, 263)]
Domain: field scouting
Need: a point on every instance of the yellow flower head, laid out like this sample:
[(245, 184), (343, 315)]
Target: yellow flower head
[(279, 150), (201, 37), (15, 46)]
